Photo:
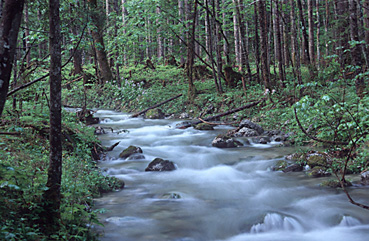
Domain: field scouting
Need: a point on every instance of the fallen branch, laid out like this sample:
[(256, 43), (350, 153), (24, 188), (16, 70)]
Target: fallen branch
[(223, 114), (72, 81), (154, 106), (112, 147)]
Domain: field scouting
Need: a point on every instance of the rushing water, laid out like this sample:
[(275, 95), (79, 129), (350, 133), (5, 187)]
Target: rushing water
[(216, 194)]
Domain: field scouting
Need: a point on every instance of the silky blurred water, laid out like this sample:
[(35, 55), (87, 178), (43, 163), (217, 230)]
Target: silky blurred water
[(216, 194)]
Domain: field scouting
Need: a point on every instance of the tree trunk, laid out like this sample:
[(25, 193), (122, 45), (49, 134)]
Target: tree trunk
[(52, 196), (356, 49), (226, 44), (294, 44), (96, 33), (366, 25), (243, 38), (305, 45), (191, 48), (159, 37), (265, 70), (236, 34), (279, 44), (256, 43), (311, 32), (218, 39), (9, 28), (124, 15), (317, 34), (341, 31), (181, 21)]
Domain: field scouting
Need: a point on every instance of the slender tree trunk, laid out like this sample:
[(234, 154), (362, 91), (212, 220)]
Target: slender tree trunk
[(191, 49), (77, 58), (311, 32), (356, 49), (294, 44), (317, 34), (326, 23), (218, 39), (342, 8), (366, 25), (265, 70), (96, 33), (236, 33), (124, 15), (279, 44), (9, 28), (243, 38), (181, 20), (305, 46), (225, 22), (159, 37), (256, 42), (52, 196)]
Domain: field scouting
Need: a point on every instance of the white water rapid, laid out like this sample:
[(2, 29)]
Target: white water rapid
[(216, 194)]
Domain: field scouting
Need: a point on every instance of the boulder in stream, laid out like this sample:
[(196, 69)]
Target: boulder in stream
[(155, 114), (318, 159), (159, 165), (318, 171), (251, 125), (222, 141), (132, 150), (204, 127), (365, 178)]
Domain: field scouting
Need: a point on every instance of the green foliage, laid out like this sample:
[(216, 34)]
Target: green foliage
[(23, 175)]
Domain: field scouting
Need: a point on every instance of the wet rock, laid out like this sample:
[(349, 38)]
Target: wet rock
[(273, 133), (159, 165), (295, 157), (204, 127), (318, 159), (183, 123), (264, 140), (280, 165), (130, 151), (171, 196), (365, 178), (318, 171), (251, 125), (246, 132), (222, 141), (293, 168), (155, 114)]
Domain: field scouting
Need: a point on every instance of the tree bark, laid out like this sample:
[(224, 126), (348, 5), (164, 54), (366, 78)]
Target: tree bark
[(279, 45), (256, 43), (236, 34), (311, 32), (9, 28), (305, 45), (317, 34), (96, 32), (52, 196), (265, 70), (294, 44)]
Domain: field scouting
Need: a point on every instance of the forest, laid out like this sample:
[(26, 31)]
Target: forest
[(303, 62)]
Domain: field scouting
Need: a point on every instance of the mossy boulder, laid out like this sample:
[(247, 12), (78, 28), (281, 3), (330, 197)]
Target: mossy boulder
[(280, 165), (318, 171), (318, 159), (159, 165), (293, 168), (204, 127), (334, 184), (131, 150), (365, 178), (155, 114)]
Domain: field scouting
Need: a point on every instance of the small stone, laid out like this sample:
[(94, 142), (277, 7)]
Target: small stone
[(159, 165)]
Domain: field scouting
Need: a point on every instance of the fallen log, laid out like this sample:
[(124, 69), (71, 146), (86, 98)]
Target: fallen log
[(222, 114), (154, 106)]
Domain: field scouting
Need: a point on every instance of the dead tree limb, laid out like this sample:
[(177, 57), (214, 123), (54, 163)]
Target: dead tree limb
[(223, 114), (154, 106)]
